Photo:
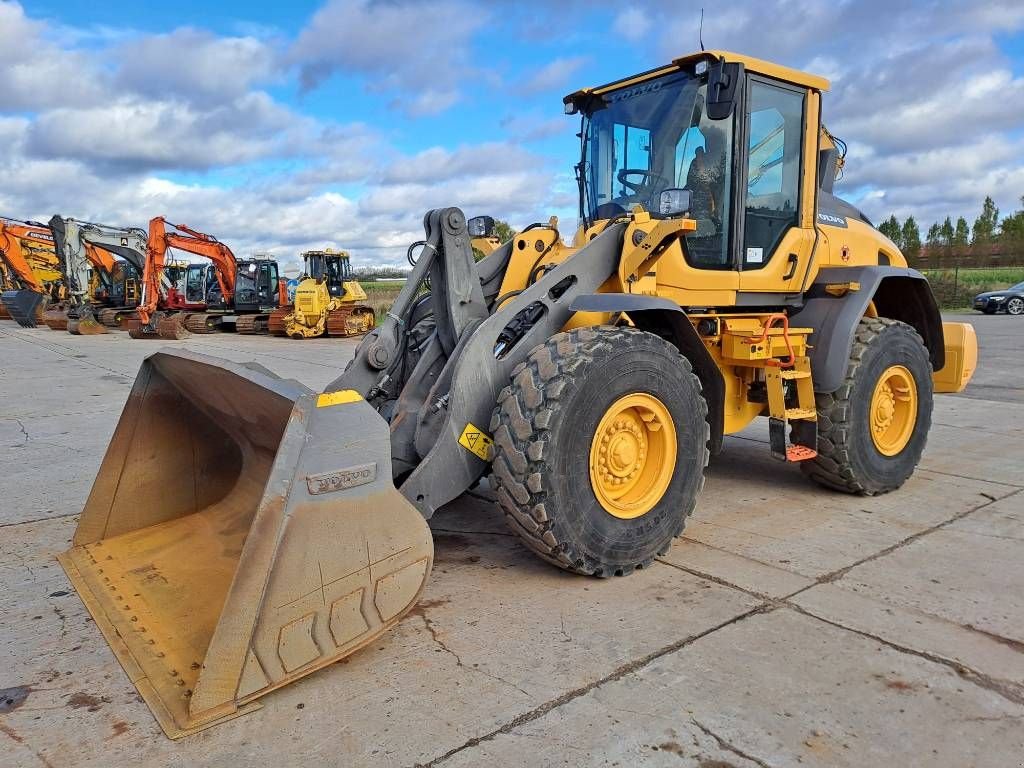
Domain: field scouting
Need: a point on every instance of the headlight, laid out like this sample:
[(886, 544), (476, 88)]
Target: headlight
[(996, 298)]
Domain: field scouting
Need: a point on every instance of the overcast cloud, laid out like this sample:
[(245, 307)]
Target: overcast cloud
[(458, 102)]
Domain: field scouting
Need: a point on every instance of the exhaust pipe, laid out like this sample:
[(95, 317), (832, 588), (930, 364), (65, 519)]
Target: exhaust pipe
[(242, 532)]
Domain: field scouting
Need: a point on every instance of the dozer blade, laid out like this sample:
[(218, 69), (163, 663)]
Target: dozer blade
[(242, 532), (23, 306)]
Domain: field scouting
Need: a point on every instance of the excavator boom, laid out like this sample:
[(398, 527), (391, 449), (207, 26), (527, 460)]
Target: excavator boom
[(183, 238)]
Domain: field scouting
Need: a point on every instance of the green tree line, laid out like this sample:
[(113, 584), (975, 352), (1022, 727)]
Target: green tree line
[(987, 229)]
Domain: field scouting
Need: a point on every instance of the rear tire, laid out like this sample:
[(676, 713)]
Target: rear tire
[(544, 429), (849, 457)]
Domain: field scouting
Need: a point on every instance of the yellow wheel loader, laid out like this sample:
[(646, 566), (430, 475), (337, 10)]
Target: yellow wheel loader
[(715, 279), (328, 301)]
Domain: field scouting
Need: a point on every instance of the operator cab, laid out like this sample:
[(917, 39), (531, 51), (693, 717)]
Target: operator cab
[(199, 278), (256, 285), (328, 266), (736, 139)]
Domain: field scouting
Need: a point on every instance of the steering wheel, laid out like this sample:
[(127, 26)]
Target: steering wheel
[(641, 189)]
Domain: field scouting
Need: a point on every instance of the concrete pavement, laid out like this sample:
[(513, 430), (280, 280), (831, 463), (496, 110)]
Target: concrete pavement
[(789, 626)]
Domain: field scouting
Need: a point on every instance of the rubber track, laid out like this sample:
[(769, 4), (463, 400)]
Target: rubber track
[(520, 420), (832, 466)]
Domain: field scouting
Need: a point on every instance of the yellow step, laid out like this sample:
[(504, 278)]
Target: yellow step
[(794, 374), (801, 413)]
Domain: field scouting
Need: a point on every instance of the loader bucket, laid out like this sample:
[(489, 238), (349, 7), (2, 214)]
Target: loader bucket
[(23, 306), (242, 532)]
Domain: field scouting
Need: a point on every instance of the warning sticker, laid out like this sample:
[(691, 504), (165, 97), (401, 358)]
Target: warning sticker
[(478, 442), (338, 398)]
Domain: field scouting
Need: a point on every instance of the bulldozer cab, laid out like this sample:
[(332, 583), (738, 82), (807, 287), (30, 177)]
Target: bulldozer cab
[(331, 267), (733, 138)]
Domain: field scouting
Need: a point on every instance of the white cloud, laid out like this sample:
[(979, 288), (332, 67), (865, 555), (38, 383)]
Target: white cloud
[(135, 134), (633, 23), (35, 73), (417, 49), (195, 65), (554, 74)]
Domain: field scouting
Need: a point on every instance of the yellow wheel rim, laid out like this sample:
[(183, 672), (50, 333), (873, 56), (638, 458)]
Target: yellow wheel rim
[(893, 411), (633, 456)]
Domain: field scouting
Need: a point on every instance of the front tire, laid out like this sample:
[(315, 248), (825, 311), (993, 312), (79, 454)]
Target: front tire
[(872, 430), (1015, 306), (601, 441)]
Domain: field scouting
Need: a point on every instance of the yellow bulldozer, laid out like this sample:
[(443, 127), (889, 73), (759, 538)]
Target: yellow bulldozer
[(715, 279), (328, 300)]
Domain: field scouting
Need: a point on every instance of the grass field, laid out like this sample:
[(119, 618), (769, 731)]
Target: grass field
[(381, 295), (956, 289)]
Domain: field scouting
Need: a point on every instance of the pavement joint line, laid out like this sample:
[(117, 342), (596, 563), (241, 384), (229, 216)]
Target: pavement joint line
[(39, 520), (717, 580), (1010, 691), (971, 427), (692, 540), (841, 572), (617, 674), (67, 355), (728, 746), (968, 477)]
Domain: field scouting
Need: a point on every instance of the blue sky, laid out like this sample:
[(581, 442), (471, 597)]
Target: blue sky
[(290, 125)]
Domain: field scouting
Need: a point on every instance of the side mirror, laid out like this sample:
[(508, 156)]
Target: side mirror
[(675, 202), (723, 80), (481, 226)]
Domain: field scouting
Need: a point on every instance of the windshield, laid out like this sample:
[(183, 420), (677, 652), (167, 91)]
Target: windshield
[(630, 144), (1017, 287), (641, 140)]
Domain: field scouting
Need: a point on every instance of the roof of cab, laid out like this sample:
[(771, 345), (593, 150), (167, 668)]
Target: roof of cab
[(759, 66)]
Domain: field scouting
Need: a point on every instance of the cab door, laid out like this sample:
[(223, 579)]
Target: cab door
[(701, 272), (780, 142)]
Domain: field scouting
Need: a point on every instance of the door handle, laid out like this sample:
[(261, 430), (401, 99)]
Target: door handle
[(791, 270)]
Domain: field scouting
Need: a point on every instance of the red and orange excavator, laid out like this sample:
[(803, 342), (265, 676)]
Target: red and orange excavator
[(163, 313), (31, 270)]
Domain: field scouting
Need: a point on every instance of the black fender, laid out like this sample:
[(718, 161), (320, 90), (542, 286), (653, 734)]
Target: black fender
[(668, 320), (899, 293)]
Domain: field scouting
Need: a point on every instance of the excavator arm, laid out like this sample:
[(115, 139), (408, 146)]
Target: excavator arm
[(205, 245), (184, 239), (15, 244)]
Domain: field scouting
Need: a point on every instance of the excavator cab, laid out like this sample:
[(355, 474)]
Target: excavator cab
[(258, 285), (199, 278)]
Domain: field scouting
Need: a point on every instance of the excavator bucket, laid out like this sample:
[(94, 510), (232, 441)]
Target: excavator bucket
[(85, 326), (23, 306), (242, 532)]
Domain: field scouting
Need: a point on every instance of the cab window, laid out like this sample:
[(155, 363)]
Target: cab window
[(703, 165), (632, 153), (775, 138)]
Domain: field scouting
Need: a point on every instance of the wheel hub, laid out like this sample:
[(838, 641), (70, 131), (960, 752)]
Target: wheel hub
[(893, 411), (633, 455)]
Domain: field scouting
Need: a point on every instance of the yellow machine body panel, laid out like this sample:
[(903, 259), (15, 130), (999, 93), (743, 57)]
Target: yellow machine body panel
[(961, 357)]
